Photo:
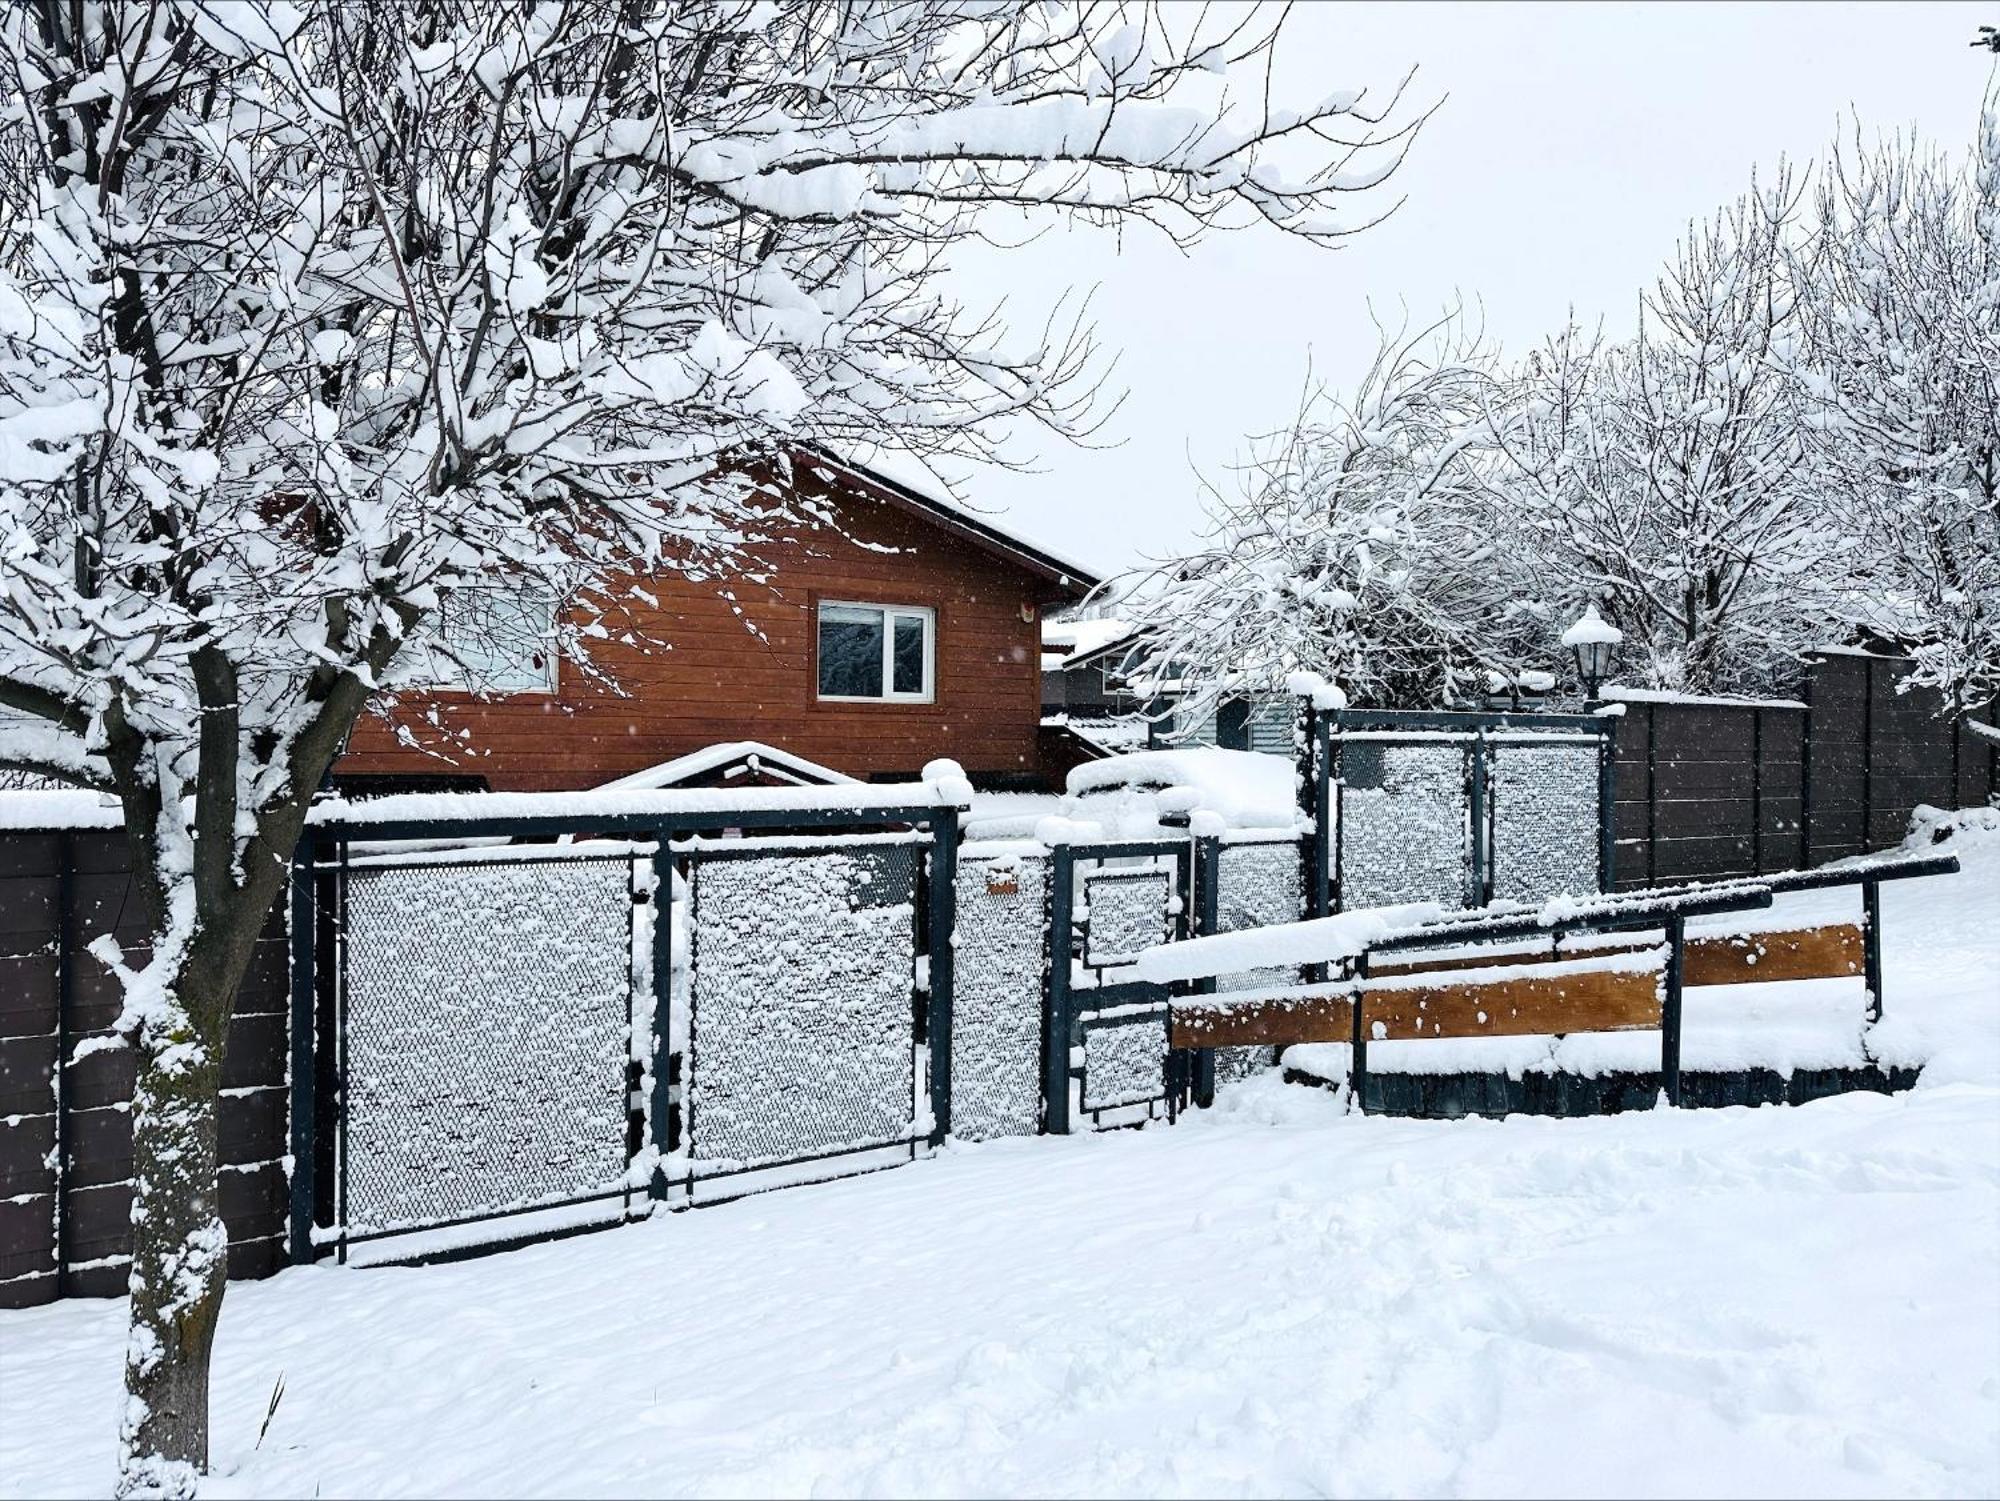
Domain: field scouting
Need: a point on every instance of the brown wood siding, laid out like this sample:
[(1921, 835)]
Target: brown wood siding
[(717, 680)]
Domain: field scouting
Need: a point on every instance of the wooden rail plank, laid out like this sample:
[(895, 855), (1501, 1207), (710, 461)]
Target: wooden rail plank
[(1828, 952), (1277, 1022), (1602, 1000), (1421, 964)]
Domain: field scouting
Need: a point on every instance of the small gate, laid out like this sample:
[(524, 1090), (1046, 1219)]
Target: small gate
[(999, 991), (1464, 809), (1107, 1055), (482, 1065), (803, 1033)]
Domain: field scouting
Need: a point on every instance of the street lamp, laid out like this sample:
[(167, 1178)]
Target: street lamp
[(1593, 642)]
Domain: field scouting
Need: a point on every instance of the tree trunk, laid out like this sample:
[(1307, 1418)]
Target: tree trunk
[(179, 1261), (180, 1248)]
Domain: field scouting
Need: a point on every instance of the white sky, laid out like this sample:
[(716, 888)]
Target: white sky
[(1574, 143)]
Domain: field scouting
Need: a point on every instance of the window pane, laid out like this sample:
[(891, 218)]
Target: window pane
[(909, 653), (850, 652), (500, 639)]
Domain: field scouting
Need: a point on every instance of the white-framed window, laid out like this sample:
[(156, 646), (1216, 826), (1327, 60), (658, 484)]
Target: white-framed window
[(499, 641), (877, 653)]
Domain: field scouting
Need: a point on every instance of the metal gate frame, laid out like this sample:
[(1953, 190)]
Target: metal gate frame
[(1065, 1022), (1320, 785), (317, 920), (682, 1124)]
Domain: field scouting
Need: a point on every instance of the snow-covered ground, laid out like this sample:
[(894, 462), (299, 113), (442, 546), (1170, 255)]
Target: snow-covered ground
[(1269, 1298)]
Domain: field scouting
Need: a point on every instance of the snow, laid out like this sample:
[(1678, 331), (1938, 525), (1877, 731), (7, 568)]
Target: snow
[(1623, 695), (1246, 789), (601, 802), (761, 757), (1592, 629), (1270, 1298), (1071, 641), (1317, 940), (59, 808)]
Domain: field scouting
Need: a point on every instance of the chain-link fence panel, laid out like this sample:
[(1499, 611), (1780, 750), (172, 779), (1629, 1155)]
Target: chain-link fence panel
[(1545, 813), (801, 988), (1127, 912), (1001, 956), (1405, 827), (1124, 1062), (487, 1033)]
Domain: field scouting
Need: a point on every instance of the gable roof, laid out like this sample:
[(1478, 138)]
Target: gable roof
[(729, 760), (915, 491), (1077, 643)]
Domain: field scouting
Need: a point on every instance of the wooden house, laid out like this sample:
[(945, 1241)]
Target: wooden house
[(894, 629)]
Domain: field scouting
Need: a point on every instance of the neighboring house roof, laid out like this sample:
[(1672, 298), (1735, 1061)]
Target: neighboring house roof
[(903, 482), (1074, 643), (728, 761)]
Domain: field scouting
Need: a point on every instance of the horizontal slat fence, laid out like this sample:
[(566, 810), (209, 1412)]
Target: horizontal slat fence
[(65, 1132), (1713, 788)]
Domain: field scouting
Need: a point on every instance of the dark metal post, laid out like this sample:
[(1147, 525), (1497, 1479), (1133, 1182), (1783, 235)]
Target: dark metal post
[(305, 928), (1208, 889), (1357, 1064), (1871, 946), (943, 972), (1055, 993), (1325, 887), (1670, 1011), (1607, 805), (660, 1107), (1475, 766), (66, 944)]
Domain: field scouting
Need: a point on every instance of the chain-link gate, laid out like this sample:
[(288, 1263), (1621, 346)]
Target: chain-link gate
[(474, 1033), (1543, 801), (1461, 809), (1259, 881), (804, 1035), (1107, 1054), (482, 1009)]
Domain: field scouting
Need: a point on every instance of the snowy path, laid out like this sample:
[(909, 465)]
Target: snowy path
[(1274, 1300), (1269, 1299)]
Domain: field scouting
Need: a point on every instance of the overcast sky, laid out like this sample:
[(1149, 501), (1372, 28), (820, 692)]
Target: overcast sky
[(1573, 144)]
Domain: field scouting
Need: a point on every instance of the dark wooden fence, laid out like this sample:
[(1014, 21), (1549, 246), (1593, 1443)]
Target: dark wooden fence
[(65, 1132), (1711, 788)]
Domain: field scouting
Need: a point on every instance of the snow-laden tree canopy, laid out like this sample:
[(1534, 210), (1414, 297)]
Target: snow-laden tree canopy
[(315, 317)]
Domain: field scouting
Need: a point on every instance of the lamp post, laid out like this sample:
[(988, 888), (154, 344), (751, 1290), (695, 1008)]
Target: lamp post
[(1593, 642)]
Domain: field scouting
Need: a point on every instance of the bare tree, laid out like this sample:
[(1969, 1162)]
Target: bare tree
[(1354, 548), (314, 318), (1666, 479), (1900, 286)]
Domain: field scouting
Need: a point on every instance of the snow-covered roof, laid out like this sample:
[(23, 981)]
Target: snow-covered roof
[(1074, 641), (733, 758), (1617, 694), (907, 481), (1244, 789)]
